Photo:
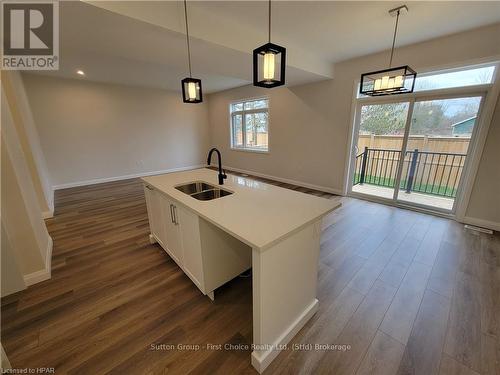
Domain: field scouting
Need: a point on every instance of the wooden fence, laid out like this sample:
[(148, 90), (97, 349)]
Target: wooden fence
[(253, 139), (423, 143)]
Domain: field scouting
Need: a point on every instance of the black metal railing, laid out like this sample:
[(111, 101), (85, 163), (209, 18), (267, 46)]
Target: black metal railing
[(436, 173)]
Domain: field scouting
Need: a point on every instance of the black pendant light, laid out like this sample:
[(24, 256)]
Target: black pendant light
[(269, 63), (399, 80), (191, 87)]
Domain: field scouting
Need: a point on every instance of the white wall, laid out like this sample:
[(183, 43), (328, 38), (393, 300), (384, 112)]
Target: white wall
[(309, 124), (29, 139), (12, 279), (304, 141), (484, 203), (95, 131), (20, 208)]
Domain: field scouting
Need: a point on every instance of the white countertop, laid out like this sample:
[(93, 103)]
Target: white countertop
[(257, 213)]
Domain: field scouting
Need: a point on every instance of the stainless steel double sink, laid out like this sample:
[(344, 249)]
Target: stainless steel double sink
[(203, 191)]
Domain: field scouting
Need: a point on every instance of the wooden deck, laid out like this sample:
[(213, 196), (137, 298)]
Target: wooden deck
[(400, 293)]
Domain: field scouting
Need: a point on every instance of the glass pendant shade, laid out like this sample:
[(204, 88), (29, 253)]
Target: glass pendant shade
[(191, 90), (391, 81), (269, 63)]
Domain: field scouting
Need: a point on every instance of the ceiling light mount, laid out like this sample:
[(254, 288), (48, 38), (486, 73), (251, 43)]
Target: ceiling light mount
[(398, 10), (399, 80), (191, 87)]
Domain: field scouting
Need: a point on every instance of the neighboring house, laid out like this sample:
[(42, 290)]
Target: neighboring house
[(463, 127)]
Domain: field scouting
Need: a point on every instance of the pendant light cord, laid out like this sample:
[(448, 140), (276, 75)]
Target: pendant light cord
[(394, 38), (187, 37), (269, 21)]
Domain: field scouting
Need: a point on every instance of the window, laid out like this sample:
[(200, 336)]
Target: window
[(250, 125), (458, 78)]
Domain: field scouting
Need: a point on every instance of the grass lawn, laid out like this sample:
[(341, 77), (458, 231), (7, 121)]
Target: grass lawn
[(417, 187)]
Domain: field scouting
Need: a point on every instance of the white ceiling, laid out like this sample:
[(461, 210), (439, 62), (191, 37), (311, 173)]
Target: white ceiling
[(143, 42), (340, 30)]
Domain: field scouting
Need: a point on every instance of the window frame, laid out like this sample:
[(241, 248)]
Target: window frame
[(244, 112)]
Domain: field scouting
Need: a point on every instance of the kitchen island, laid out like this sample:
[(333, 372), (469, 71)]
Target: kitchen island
[(248, 224)]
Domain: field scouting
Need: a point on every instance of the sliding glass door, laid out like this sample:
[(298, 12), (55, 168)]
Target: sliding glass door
[(378, 148), (440, 132), (414, 149), (414, 152)]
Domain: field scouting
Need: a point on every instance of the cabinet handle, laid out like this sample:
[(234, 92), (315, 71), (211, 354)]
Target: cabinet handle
[(175, 216), (171, 213)]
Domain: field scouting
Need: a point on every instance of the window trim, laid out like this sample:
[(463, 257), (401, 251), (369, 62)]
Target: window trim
[(249, 111)]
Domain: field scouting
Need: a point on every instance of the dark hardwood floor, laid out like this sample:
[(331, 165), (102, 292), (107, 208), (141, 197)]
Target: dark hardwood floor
[(400, 293)]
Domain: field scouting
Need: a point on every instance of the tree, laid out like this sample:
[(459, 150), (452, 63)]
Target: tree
[(432, 118), (469, 110), (383, 119), (429, 119)]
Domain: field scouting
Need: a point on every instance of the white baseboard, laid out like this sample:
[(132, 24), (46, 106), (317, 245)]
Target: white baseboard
[(286, 180), (36, 277), (262, 359), (125, 177), (45, 274), (48, 214), (481, 223)]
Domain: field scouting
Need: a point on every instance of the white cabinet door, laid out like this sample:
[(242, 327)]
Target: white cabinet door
[(173, 240), (178, 232), (191, 245), (155, 213)]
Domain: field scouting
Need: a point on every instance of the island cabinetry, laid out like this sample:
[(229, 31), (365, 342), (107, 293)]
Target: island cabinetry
[(176, 230), (208, 256), (173, 231), (155, 214), (275, 231)]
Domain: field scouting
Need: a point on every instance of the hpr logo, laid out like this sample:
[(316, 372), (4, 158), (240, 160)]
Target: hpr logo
[(30, 35)]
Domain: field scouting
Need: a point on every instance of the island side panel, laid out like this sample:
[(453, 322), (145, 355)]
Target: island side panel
[(223, 256), (284, 291)]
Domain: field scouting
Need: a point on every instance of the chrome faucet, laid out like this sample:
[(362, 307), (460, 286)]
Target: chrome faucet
[(222, 173)]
